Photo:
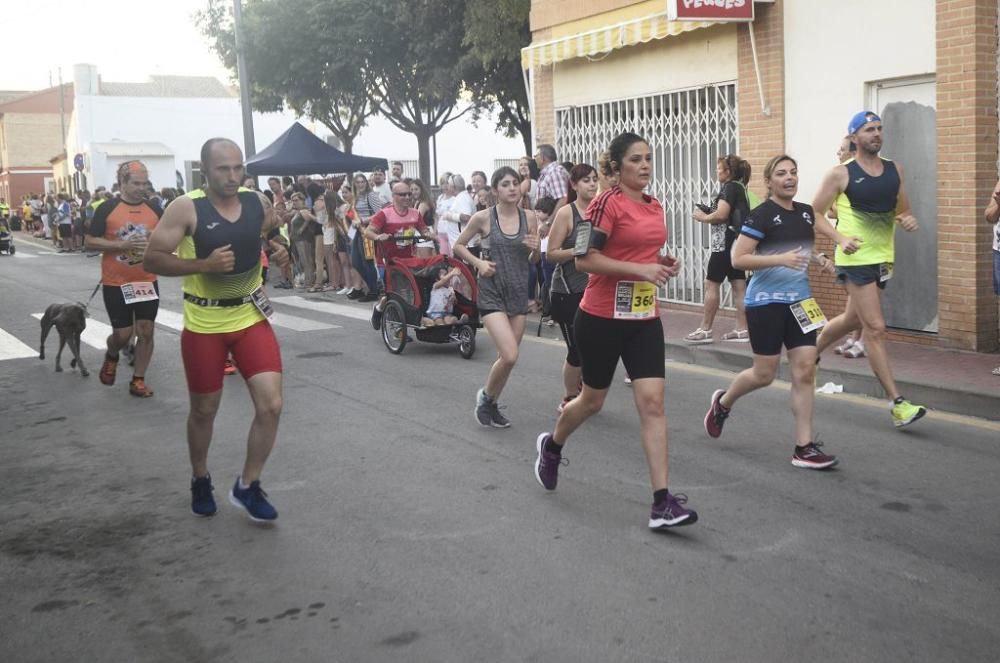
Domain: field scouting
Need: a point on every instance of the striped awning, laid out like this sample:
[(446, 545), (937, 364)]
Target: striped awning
[(605, 40)]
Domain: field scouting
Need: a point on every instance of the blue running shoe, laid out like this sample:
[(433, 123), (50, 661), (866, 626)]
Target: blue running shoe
[(254, 501), (202, 501)]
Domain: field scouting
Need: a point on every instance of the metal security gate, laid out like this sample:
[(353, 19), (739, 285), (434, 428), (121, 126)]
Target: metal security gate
[(688, 131)]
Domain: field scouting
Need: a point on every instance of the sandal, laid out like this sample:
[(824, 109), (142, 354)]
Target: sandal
[(108, 370), (996, 371), (137, 387)]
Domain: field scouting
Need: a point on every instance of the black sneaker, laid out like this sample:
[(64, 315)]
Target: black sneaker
[(202, 501), (356, 294)]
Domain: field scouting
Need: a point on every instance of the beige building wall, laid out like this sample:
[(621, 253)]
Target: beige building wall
[(826, 71), (30, 139), (687, 60)]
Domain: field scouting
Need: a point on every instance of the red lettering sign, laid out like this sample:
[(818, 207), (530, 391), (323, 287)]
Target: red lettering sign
[(710, 10)]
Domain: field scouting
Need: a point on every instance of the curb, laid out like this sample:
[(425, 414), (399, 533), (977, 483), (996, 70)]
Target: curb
[(936, 397)]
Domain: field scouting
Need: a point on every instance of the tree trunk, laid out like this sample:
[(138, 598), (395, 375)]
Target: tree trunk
[(424, 152), (347, 141), (525, 131)]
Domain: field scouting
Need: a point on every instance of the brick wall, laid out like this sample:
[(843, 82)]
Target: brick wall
[(967, 170)]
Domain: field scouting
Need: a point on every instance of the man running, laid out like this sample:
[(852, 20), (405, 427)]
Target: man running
[(217, 232), (121, 229), (871, 200)]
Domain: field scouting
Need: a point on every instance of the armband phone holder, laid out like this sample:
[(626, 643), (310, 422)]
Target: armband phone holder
[(587, 238)]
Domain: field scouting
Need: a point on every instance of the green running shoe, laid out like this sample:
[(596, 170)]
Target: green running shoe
[(905, 413)]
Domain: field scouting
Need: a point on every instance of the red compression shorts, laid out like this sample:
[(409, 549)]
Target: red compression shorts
[(254, 350)]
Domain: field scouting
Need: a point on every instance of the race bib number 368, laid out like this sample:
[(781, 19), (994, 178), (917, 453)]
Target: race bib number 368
[(635, 300)]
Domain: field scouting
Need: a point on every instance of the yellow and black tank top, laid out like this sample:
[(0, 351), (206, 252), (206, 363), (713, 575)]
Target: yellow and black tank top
[(867, 209), (243, 235)]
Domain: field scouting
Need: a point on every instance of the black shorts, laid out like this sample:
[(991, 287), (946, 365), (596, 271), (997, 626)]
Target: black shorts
[(563, 310), (601, 342), (121, 314), (774, 325), (861, 275), (65, 230), (720, 268)]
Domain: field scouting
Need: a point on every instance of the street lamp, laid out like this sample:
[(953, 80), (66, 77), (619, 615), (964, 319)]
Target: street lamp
[(244, 81)]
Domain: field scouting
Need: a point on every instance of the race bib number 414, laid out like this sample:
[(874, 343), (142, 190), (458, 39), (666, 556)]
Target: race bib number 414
[(140, 291), (635, 300)]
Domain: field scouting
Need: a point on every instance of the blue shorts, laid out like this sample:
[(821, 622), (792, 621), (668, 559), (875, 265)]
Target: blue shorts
[(861, 275), (996, 272)]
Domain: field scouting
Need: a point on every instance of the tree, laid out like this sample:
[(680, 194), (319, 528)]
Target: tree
[(414, 63), (291, 62), (495, 32)]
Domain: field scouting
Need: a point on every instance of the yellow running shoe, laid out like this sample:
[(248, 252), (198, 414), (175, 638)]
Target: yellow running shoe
[(905, 413)]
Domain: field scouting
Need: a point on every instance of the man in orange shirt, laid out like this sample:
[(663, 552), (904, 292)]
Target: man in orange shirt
[(121, 228)]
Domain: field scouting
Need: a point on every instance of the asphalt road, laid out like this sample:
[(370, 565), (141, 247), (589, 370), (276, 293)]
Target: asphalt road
[(409, 533)]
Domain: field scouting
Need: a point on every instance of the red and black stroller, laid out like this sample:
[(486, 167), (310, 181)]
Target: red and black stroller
[(408, 292)]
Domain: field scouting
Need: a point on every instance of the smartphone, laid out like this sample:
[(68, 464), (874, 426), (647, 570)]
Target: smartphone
[(704, 208)]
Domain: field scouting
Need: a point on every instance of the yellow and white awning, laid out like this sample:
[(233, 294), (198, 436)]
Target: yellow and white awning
[(605, 40)]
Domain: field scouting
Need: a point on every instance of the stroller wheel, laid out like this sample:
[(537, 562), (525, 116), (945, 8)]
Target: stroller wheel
[(394, 327), (466, 341)]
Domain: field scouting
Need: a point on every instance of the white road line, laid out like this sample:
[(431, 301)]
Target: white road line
[(12, 348), (325, 307), (95, 335), (23, 255), (175, 321), (170, 319)]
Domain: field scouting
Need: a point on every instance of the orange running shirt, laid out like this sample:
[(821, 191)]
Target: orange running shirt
[(117, 220)]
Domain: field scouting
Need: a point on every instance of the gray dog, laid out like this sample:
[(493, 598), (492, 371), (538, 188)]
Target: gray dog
[(69, 320)]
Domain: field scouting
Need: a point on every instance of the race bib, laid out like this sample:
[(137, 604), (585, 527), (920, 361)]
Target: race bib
[(635, 300), (809, 315), (884, 272), (140, 291), (263, 304)]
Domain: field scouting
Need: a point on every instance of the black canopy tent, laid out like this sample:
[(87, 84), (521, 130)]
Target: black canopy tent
[(300, 152)]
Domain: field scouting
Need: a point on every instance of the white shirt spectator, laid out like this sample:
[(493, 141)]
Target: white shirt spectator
[(461, 204)]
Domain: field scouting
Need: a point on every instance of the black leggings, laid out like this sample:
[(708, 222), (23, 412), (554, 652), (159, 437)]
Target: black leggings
[(563, 309), (603, 341)]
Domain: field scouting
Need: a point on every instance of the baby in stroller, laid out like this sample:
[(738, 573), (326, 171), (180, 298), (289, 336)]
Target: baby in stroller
[(442, 300)]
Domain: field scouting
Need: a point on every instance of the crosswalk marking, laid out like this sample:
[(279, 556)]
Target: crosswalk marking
[(324, 307), (12, 348), (175, 321), (95, 335)]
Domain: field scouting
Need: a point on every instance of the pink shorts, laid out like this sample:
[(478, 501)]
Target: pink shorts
[(254, 350)]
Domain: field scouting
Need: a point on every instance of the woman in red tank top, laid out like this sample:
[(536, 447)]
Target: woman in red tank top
[(619, 319)]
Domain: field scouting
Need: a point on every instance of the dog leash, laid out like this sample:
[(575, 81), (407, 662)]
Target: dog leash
[(96, 288)]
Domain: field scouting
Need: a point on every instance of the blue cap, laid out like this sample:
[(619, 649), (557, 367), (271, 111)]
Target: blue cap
[(861, 119)]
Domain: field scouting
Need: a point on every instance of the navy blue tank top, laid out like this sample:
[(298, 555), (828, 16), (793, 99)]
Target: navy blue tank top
[(872, 194), (243, 235)]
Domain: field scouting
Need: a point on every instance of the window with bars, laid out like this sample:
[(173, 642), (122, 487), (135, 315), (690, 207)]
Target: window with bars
[(688, 131)]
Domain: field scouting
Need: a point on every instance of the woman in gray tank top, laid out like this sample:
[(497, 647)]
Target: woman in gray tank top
[(568, 283), (509, 240)]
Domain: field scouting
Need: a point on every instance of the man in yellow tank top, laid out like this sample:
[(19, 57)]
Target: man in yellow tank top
[(217, 234), (871, 201)]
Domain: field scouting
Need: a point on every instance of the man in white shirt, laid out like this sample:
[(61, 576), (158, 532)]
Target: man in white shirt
[(380, 186), (463, 206)]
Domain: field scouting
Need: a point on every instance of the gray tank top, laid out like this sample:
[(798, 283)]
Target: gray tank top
[(507, 289), (567, 279)]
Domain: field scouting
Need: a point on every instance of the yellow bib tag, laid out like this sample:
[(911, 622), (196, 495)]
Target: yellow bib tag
[(635, 300), (809, 315)]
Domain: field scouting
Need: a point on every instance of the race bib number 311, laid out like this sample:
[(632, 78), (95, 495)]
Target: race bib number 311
[(809, 315), (140, 291), (635, 300)]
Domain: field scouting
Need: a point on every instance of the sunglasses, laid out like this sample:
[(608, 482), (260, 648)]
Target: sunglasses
[(403, 195)]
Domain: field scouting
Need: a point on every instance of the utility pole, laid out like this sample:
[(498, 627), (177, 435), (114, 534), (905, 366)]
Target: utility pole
[(62, 121), (244, 79)]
